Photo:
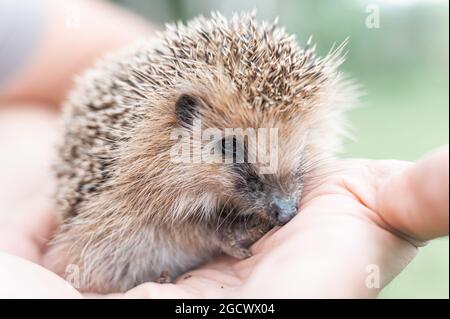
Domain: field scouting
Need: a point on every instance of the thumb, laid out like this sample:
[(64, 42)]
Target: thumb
[(416, 201)]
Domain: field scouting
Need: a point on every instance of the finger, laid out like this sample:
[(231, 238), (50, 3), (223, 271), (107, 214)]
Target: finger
[(22, 279), (416, 201), (26, 235), (39, 226)]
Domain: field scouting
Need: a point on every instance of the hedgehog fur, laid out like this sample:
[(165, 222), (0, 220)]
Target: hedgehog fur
[(128, 212)]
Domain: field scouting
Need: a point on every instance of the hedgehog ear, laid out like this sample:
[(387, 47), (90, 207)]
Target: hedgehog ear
[(186, 108)]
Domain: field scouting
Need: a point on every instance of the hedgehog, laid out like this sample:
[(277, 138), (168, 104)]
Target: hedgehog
[(129, 211)]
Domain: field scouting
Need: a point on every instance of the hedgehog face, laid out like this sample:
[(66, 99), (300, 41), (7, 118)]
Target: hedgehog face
[(245, 160), (251, 160)]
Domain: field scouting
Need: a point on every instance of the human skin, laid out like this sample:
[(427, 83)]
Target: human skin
[(365, 214)]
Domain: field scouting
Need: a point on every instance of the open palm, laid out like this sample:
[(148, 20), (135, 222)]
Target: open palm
[(356, 231)]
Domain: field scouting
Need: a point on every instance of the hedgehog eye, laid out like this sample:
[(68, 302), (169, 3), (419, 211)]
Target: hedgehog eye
[(186, 108)]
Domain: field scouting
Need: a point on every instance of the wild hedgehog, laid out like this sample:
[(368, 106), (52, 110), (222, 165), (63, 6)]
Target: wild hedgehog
[(130, 212)]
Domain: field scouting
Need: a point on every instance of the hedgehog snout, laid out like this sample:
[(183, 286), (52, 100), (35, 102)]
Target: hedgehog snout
[(282, 209)]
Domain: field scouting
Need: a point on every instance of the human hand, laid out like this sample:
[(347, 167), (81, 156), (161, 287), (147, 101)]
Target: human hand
[(27, 137), (368, 217), (22, 242), (367, 214)]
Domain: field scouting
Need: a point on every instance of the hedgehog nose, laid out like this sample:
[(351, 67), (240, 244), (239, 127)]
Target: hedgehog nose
[(283, 209)]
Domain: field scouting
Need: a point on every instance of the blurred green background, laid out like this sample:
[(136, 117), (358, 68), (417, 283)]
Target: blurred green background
[(403, 67)]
